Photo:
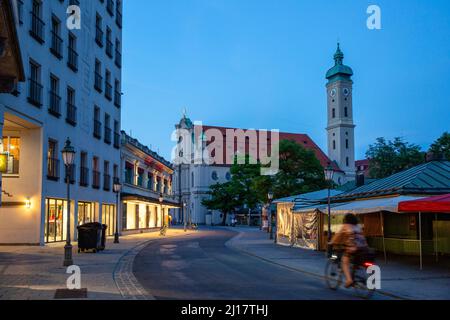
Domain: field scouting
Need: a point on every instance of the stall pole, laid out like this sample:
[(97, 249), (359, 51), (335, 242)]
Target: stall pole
[(436, 236), (382, 231), (420, 240)]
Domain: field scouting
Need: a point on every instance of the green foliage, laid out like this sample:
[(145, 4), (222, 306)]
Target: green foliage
[(442, 146), (390, 157), (222, 197)]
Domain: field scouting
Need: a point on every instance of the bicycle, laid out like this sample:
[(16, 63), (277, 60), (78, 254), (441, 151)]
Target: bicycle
[(334, 274), (163, 231)]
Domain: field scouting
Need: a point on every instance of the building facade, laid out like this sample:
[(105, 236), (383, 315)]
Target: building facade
[(72, 90), (147, 192)]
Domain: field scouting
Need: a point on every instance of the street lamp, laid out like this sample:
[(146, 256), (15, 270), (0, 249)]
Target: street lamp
[(270, 222), (117, 187), (161, 199), (68, 154), (329, 173), (184, 215)]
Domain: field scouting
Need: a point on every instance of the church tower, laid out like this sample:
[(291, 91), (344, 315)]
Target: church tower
[(340, 129)]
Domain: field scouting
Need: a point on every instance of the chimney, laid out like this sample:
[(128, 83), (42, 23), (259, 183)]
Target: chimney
[(359, 180)]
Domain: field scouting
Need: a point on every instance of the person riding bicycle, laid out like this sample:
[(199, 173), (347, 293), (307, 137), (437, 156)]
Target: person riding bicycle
[(351, 238)]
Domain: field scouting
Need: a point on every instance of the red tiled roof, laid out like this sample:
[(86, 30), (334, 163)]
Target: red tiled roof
[(302, 139)]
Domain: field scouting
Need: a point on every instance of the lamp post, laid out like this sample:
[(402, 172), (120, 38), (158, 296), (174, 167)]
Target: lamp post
[(161, 199), (329, 173), (270, 222), (117, 187), (184, 215), (68, 154)]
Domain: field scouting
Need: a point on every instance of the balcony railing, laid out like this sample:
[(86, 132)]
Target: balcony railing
[(37, 27), (108, 135), (109, 48), (116, 140), (55, 104), (53, 169), (95, 179), (117, 99), (84, 177), (71, 116), (106, 182), (35, 93), (56, 47), (72, 59), (98, 82), (118, 59), (99, 36), (97, 129), (108, 91)]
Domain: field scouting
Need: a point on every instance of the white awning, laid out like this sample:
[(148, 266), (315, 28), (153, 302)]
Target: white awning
[(371, 205)]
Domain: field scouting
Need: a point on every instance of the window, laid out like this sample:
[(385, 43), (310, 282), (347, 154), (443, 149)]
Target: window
[(71, 116), (72, 55), (97, 123), (192, 179), (56, 45), (35, 86), (109, 218), (140, 177), (95, 173), (86, 213), (129, 172), (109, 44), (346, 111), (20, 10), (334, 113), (55, 220), (119, 13), (84, 170), (117, 94), (10, 155), (116, 134), (110, 7), (107, 129), (98, 30), (347, 162), (334, 144), (106, 177), (98, 76), (228, 176), (108, 86), (149, 181), (37, 25), (55, 100), (52, 160), (214, 176), (118, 59), (116, 172)]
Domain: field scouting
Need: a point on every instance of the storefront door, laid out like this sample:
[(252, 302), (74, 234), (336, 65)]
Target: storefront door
[(55, 220)]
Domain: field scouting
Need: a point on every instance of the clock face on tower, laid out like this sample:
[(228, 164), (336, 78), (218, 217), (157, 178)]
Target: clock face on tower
[(346, 92), (333, 92)]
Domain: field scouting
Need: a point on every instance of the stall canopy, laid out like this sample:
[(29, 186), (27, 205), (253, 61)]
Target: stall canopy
[(438, 204), (372, 205)]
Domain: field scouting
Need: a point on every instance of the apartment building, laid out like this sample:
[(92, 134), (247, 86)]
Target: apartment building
[(72, 90)]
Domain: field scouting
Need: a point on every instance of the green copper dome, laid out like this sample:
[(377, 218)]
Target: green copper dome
[(339, 68)]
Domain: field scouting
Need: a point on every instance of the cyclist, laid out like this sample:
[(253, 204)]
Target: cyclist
[(351, 238)]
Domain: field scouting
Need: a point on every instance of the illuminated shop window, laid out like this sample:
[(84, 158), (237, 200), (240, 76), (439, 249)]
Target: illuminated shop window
[(10, 149)]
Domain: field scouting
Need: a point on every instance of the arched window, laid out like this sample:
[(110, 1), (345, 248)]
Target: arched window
[(192, 179), (334, 144), (346, 143), (334, 113), (347, 162)]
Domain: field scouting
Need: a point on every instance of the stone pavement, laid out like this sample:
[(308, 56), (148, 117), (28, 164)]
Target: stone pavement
[(35, 273), (401, 276)]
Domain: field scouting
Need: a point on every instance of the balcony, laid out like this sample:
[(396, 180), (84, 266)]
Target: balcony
[(110, 7), (55, 104), (108, 91), (56, 47), (53, 169), (118, 59), (84, 177), (116, 140), (106, 182), (109, 48), (71, 117), (72, 61), (95, 179), (117, 99), (99, 36), (97, 129), (37, 28), (35, 93), (98, 82), (107, 135)]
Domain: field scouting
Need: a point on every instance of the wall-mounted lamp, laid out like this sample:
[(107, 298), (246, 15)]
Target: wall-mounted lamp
[(28, 203)]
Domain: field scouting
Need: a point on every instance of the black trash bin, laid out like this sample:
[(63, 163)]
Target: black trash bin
[(103, 241), (90, 237)]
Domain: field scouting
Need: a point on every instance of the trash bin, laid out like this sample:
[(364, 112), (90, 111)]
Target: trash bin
[(90, 237), (103, 242)]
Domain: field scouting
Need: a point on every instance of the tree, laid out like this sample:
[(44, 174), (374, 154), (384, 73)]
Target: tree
[(442, 146), (222, 197), (390, 157), (300, 171)]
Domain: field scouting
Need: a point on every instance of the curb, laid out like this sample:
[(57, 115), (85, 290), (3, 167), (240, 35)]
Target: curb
[(230, 245)]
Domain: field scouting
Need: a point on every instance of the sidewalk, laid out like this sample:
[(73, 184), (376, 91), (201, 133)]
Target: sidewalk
[(401, 276), (36, 272)]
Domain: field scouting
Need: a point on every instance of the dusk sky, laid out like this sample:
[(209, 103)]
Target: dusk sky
[(261, 64)]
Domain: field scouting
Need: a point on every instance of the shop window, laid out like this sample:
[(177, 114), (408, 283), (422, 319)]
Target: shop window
[(55, 220), (109, 218), (10, 152), (86, 213)]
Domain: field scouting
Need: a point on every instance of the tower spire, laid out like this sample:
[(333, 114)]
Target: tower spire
[(339, 55)]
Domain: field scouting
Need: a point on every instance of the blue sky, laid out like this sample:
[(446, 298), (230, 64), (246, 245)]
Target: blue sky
[(262, 63)]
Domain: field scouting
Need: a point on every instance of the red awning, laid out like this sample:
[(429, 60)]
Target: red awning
[(438, 204)]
